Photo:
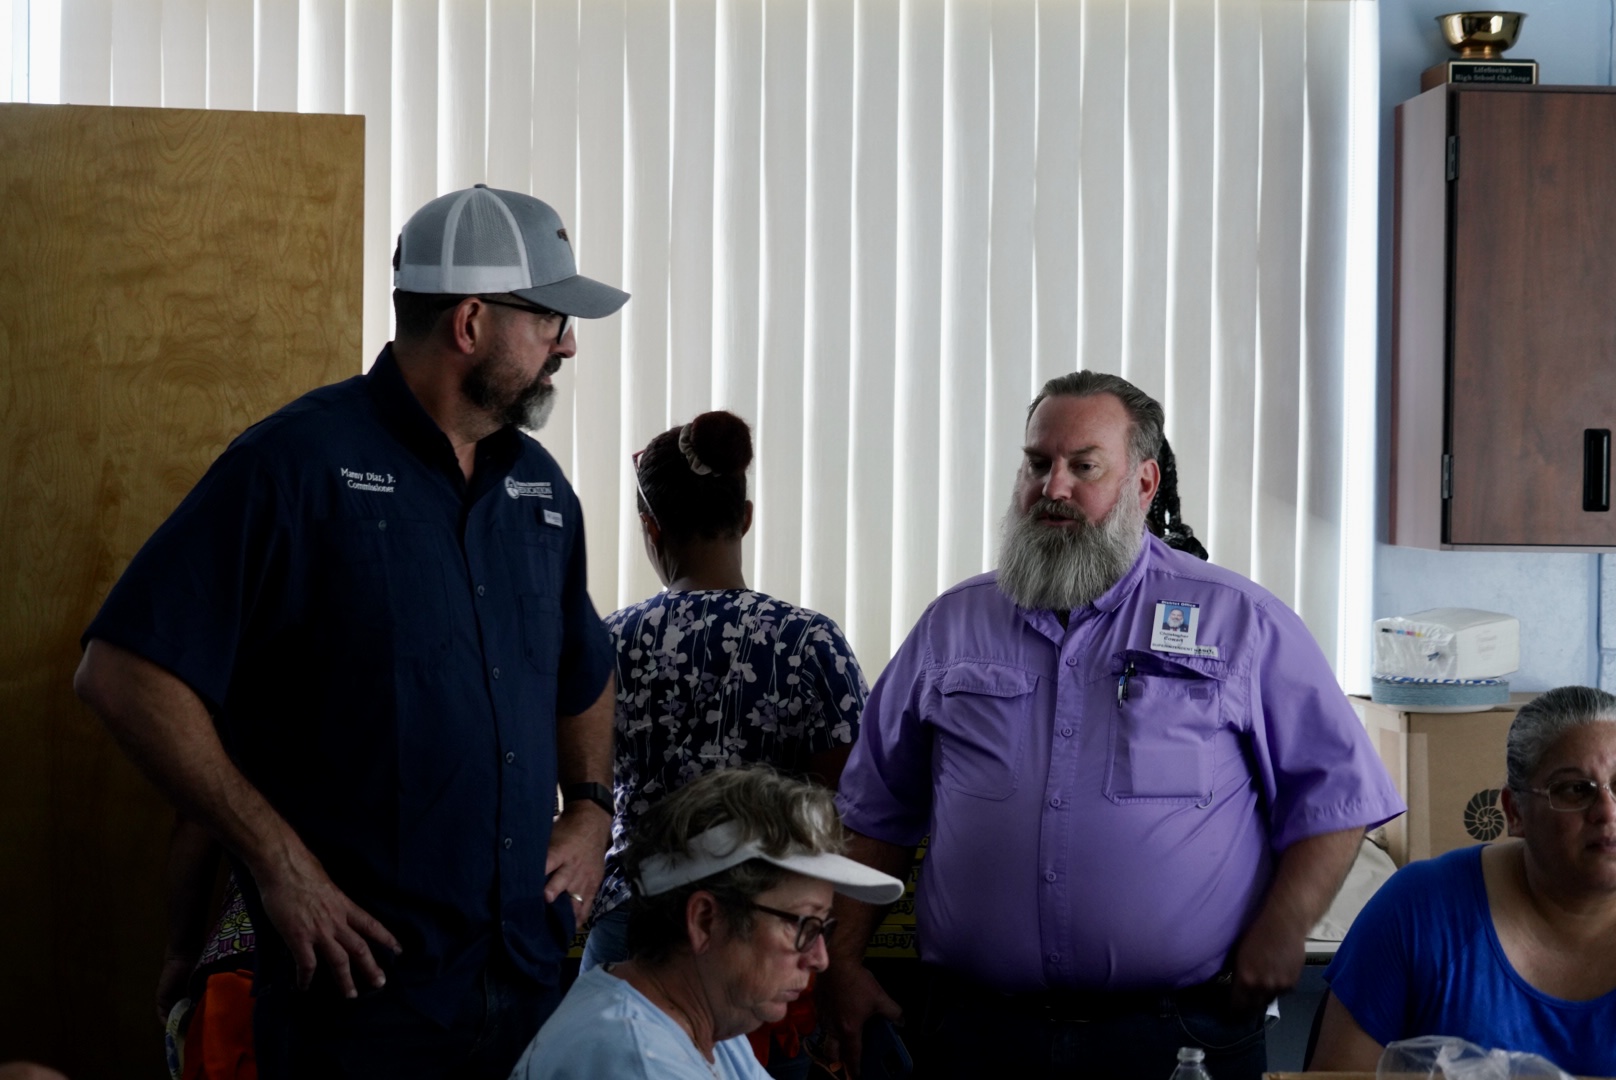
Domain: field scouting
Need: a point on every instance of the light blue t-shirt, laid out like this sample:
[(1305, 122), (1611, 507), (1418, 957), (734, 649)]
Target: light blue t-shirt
[(606, 1028), (1423, 958)]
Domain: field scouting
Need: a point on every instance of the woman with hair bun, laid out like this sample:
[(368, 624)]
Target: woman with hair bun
[(711, 674)]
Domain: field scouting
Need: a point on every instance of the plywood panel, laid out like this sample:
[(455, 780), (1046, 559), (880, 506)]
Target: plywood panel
[(169, 276)]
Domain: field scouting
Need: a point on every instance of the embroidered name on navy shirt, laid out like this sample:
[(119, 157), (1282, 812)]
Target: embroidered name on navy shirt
[(360, 480)]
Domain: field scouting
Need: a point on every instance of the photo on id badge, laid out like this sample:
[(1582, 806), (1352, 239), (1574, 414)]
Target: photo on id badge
[(1175, 625)]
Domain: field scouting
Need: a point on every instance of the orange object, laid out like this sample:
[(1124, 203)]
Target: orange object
[(219, 1037)]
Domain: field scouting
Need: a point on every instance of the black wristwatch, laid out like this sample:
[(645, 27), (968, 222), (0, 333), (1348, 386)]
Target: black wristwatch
[(599, 794)]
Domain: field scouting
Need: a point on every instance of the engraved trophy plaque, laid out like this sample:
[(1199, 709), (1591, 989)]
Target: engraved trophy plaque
[(1480, 38)]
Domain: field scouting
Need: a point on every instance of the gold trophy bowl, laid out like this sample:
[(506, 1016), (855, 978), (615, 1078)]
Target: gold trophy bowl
[(1480, 35)]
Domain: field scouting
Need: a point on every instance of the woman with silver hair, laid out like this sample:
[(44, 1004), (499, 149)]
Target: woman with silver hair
[(1512, 945), (732, 879)]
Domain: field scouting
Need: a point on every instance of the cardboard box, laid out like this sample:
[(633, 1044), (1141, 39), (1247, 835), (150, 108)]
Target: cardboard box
[(1449, 768)]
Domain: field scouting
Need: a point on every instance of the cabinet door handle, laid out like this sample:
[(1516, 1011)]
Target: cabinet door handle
[(1596, 469)]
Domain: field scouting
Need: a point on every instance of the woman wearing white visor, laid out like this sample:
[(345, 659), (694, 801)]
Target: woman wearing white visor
[(732, 878)]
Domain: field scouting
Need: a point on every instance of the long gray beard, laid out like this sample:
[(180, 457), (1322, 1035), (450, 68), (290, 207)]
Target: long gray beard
[(1045, 568)]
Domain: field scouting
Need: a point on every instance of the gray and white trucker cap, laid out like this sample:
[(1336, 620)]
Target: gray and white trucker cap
[(484, 240)]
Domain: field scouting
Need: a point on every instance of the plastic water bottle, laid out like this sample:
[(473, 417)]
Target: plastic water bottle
[(1189, 1065)]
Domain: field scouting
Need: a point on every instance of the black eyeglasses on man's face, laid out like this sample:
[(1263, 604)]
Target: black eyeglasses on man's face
[(535, 309), (810, 928)]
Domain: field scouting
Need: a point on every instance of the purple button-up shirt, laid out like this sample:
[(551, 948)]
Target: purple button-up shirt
[(1104, 814)]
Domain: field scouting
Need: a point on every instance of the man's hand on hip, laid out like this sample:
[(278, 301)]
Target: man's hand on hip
[(320, 924), (576, 860)]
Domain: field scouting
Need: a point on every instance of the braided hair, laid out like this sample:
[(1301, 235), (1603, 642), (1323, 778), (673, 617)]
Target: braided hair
[(692, 479), (1164, 518)]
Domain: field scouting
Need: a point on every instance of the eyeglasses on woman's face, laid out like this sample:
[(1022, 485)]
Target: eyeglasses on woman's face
[(634, 461), (810, 928), (1575, 796)]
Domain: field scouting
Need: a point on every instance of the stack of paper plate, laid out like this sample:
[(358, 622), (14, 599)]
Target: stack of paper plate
[(1439, 695)]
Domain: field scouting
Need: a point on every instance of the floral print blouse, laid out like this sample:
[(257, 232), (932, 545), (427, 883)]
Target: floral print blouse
[(708, 679)]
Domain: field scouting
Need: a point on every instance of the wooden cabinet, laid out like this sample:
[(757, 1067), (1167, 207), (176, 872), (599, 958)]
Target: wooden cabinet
[(1504, 318)]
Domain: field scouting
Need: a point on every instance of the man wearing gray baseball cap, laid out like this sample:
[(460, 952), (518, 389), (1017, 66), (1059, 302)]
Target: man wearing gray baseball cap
[(361, 653)]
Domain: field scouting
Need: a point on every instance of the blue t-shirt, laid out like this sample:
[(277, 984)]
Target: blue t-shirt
[(385, 649), (1423, 958), (719, 677), (607, 1029)]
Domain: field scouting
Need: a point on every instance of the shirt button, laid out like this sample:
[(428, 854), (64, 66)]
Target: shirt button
[(382, 524), (1049, 875), (496, 673), (1055, 802), (507, 843), (1066, 731), (1054, 958), (481, 590), (1071, 661), (509, 757)]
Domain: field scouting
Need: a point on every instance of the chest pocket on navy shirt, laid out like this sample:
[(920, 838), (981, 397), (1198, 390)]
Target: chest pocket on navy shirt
[(541, 632), (982, 726), (541, 545), (1162, 732), (541, 597)]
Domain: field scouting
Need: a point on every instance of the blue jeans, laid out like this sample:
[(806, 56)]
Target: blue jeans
[(972, 1036), (301, 1035), (608, 940)]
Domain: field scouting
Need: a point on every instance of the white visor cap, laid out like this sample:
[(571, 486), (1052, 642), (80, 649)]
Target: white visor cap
[(717, 850)]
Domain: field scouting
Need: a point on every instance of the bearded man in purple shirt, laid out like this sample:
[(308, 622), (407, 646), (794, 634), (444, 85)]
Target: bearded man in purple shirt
[(1132, 825)]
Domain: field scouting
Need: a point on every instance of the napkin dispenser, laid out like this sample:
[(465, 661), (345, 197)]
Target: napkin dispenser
[(1447, 643)]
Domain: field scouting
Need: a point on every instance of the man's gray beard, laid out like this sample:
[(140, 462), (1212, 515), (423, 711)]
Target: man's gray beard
[(532, 413), (530, 409), (1060, 568)]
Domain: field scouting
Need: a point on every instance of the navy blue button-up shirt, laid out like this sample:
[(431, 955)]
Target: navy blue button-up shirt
[(386, 648)]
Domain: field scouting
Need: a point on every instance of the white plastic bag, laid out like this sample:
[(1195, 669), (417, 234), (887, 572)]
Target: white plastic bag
[(1442, 1057)]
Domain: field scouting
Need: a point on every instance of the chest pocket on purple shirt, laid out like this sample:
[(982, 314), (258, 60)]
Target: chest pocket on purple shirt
[(1162, 731), (982, 726)]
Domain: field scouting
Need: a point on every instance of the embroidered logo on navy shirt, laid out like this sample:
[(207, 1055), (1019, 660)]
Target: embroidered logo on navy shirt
[(517, 489), (360, 480)]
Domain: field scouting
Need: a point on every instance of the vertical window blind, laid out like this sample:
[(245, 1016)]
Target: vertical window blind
[(873, 228)]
